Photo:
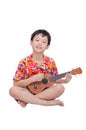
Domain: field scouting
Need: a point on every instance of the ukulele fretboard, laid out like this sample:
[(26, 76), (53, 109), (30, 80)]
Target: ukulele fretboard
[(54, 78)]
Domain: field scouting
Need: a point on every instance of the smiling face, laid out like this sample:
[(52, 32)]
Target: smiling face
[(39, 43)]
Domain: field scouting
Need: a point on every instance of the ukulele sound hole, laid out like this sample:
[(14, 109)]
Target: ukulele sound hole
[(44, 81)]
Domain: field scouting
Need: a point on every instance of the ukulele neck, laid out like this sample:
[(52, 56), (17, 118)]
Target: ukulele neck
[(59, 76)]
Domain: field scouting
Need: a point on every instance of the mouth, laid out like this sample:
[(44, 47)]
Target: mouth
[(39, 47)]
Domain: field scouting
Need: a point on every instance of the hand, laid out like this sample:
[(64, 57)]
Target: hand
[(68, 77), (39, 77)]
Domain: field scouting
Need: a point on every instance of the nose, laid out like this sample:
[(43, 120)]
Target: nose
[(39, 43)]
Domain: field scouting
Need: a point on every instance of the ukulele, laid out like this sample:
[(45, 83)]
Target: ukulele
[(49, 80)]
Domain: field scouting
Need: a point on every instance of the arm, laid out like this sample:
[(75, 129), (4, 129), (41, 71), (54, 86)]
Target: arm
[(26, 82)]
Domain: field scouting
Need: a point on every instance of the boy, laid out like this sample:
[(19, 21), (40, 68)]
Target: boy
[(33, 69)]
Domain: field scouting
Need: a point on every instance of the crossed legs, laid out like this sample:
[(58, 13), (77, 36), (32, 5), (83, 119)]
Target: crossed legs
[(46, 97)]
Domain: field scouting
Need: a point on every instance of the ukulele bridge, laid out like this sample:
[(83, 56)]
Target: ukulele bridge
[(34, 85)]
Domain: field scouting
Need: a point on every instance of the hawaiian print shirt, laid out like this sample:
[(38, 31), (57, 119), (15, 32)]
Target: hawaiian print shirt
[(28, 67)]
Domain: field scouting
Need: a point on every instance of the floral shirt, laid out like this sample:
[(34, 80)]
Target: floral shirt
[(28, 67)]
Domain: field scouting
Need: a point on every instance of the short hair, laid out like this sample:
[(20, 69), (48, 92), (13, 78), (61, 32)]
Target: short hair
[(43, 32)]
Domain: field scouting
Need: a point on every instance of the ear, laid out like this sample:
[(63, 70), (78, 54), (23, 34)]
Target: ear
[(30, 42)]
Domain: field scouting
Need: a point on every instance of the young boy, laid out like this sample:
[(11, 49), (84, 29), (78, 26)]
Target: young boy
[(32, 69)]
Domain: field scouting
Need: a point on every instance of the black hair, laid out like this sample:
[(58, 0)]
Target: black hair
[(43, 32)]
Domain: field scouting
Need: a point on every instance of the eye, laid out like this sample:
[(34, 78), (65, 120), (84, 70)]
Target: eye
[(44, 42), (37, 39)]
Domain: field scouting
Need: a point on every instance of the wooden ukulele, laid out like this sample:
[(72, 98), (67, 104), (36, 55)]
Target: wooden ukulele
[(49, 80)]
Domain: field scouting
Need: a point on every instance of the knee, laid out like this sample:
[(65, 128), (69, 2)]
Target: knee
[(60, 89), (12, 91)]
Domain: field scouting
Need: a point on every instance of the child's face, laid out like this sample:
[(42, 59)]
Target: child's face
[(39, 43)]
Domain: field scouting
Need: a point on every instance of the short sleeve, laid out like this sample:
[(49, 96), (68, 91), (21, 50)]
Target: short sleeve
[(51, 66), (20, 72), (54, 69)]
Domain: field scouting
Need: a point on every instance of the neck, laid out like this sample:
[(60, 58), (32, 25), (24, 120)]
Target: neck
[(38, 56)]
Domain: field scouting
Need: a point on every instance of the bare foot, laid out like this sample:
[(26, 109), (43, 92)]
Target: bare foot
[(23, 104), (54, 103), (59, 102)]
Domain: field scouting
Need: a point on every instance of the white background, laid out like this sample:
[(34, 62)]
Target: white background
[(66, 22)]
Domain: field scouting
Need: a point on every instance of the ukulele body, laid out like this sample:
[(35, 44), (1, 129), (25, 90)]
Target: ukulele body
[(37, 87)]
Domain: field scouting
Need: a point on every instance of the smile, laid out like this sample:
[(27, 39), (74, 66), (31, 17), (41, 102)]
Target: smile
[(38, 47)]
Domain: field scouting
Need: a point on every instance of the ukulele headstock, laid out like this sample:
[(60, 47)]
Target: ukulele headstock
[(76, 71)]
